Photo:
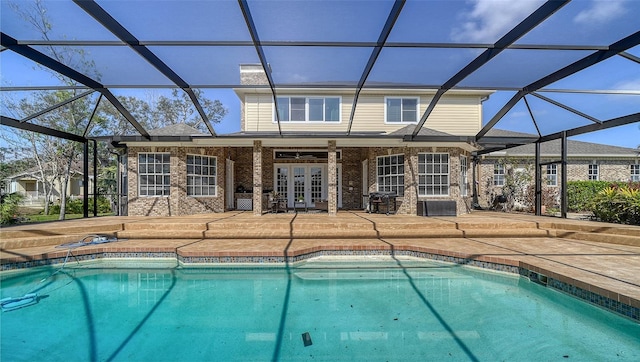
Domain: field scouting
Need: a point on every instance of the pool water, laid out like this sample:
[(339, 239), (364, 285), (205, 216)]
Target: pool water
[(398, 310)]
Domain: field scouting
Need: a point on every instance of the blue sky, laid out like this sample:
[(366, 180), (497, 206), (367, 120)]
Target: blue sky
[(581, 22)]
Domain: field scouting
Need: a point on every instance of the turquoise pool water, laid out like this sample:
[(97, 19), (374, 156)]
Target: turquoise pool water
[(316, 311)]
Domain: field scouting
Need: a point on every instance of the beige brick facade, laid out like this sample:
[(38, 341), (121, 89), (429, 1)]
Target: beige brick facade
[(254, 172), (407, 204), (177, 203), (610, 169)]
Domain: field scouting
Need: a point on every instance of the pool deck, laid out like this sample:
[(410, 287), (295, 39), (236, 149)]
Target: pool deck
[(598, 262)]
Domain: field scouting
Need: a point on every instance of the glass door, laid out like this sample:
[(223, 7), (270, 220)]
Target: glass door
[(306, 182), (299, 184), (316, 175), (282, 182)]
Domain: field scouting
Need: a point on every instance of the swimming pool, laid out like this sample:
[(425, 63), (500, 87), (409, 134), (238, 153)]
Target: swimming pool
[(386, 310)]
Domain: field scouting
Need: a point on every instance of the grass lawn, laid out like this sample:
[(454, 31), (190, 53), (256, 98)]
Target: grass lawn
[(31, 215)]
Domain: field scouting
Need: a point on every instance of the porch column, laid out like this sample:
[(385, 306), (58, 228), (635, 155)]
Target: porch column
[(257, 177), (410, 198), (332, 179)]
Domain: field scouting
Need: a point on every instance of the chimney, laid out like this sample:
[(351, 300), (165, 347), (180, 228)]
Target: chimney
[(252, 74)]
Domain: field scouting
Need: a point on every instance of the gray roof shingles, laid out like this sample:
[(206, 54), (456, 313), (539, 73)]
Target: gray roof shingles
[(574, 148)]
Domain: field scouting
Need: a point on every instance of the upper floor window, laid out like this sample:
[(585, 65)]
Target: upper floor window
[(309, 109), (154, 178), (463, 176), (433, 174), (498, 174), (593, 172), (552, 175), (390, 174), (201, 175), (401, 110), (635, 172)]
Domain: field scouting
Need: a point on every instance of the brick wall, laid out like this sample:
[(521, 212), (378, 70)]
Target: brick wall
[(577, 170), (352, 178), (408, 203), (177, 203)]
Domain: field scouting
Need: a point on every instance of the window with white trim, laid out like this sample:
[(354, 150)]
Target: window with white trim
[(593, 173), (498, 174), (433, 174), (552, 175), (154, 174), (309, 109), (390, 174), (635, 172), (401, 110), (202, 175), (463, 176)]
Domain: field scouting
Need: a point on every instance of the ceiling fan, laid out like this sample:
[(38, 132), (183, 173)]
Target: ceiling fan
[(297, 155)]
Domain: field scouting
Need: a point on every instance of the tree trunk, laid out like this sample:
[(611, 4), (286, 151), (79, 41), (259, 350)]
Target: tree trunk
[(64, 181)]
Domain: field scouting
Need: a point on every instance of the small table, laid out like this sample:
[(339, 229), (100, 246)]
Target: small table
[(299, 204)]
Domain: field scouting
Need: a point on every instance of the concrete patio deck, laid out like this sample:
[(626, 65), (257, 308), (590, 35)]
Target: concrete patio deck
[(598, 262)]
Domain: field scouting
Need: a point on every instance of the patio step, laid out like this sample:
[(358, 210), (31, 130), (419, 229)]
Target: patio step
[(162, 233), (602, 228), (505, 233), (38, 231), (15, 238), (485, 225), (313, 227), (324, 231), (30, 242), (166, 226), (620, 239)]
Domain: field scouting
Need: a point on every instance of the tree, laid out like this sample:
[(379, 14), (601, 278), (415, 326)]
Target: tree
[(55, 157), (180, 109)]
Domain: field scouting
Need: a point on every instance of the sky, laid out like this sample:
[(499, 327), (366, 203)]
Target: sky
[(581, 22)]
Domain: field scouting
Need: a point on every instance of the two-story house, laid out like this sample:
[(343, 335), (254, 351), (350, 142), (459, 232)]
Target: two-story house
[(315, 152), (28, 183)]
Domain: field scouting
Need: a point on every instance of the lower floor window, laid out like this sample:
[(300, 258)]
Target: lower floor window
[(593, 172), (154, 174), (463, 176), (552, 175), (201, 175), (635, 172), (498, 174), (433, 174), (390, 174)]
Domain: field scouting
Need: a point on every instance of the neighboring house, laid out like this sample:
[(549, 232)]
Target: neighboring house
[(181, 171), (585, 161), (26, 183)]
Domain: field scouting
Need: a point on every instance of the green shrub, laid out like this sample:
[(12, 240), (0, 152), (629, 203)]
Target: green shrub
[(75, 206), (9, 205), (617, 204), (581, 193)]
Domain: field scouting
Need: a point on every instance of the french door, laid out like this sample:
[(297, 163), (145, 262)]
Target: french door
[(303, 182)]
